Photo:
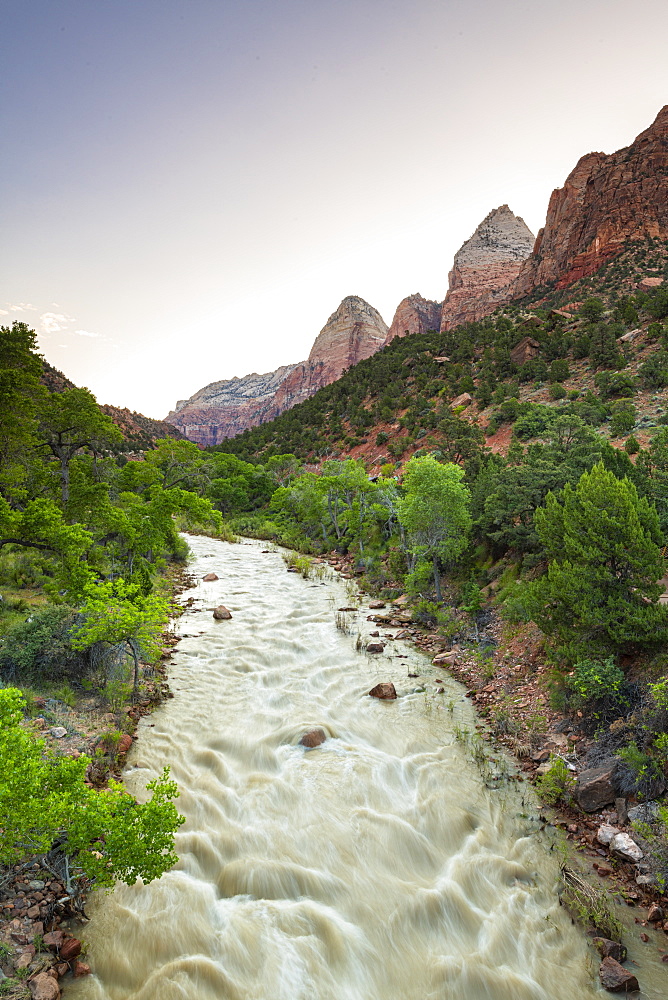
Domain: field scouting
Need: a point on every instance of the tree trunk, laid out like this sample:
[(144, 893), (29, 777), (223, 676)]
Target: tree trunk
[(437, 579), (135, 680)]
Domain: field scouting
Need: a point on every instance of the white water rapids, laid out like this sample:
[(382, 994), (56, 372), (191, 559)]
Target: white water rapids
[(378, 866)]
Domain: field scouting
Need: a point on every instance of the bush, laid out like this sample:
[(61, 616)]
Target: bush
[(557, 784), (623, 418), (557, 391), (559, 370), (594, 680), (39, 648)]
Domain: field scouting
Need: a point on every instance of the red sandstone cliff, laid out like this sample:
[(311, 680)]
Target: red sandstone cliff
[(485, 268), (223, 409), (605, 202), (414, 314)]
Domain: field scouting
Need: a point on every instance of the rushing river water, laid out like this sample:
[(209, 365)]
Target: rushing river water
[(382, 865)]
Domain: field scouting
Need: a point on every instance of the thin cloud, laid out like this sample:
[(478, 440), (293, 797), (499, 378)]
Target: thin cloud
[(55, 322), (87, 333), (22, 307), (4, 312)]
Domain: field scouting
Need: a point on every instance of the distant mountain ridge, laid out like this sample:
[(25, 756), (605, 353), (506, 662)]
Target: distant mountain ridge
[(139, 432), (606, 201), (223, 409)]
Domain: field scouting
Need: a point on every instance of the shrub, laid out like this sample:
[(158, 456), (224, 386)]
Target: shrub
[(559, 370), (557, 391), (557, 784), (593, 680), (39, 648)]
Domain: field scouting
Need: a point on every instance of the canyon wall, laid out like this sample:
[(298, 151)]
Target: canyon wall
[(486, 267), (223, 409), (605, 202)]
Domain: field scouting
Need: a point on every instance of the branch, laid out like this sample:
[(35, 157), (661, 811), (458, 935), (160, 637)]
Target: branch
[(31, 545)]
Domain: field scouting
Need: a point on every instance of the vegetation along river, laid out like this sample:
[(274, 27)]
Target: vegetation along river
[(385, 864)]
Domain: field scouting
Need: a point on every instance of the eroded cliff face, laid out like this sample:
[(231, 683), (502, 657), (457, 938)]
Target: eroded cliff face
[(605, 202), (223, 409), (486, 267), (414, 314)]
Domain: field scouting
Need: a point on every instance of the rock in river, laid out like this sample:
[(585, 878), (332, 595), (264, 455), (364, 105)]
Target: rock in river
[(221, 613), (313, 738), (385, 690)]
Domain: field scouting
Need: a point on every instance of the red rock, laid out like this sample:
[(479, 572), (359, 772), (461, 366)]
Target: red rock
[(53, 940), (313, 738), (124, 743), (70, 948), (595, 787), (486, 267), (375, 647), (615, 978), (655, 913), (465, 399), (62, 968), (647, 283), (44, 987), (644, 938), (32, 912), (605, 202), (376, 605), (414, 315), (24, 959), (80, 969), (385, 690), (221, 613), (610, 949), (210, 577), (445, 659)]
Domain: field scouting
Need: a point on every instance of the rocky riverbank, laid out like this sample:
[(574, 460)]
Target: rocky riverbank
[(41, 899)]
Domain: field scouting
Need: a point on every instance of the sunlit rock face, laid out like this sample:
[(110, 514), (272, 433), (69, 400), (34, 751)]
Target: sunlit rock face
[(415, 314), (605, 202), (486, 267), (223, 409)]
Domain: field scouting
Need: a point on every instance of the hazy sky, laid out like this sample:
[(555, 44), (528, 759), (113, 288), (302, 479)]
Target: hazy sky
[(190, 187)]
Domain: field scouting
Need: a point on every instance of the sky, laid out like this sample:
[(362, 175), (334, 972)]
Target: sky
[(188, 188)]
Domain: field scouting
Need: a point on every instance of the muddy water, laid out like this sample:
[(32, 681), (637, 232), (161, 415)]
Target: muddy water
[(382, 865)]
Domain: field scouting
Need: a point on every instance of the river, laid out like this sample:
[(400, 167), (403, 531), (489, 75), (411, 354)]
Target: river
[(385, 864)]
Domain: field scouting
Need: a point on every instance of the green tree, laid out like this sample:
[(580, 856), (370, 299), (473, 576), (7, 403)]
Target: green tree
[(604, 560), (43, 799), (119, 614), (20, 392), (434, 511), (72, 420)]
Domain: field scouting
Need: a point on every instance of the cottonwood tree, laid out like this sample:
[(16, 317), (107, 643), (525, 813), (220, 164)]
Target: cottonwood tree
[(434, 511), (43, 799), (119, 614)]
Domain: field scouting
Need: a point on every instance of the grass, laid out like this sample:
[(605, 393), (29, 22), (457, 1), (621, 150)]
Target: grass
[(588, 905)]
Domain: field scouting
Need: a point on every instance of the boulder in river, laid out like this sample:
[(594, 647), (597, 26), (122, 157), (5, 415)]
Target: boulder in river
[(384, 690), (376, 605), (375, 647), (70, 949), (313, 738), (615, 978), (210, 577), (221, 613)]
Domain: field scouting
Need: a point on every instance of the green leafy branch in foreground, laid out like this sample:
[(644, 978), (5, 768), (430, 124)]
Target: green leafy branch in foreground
[(43, 800)]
